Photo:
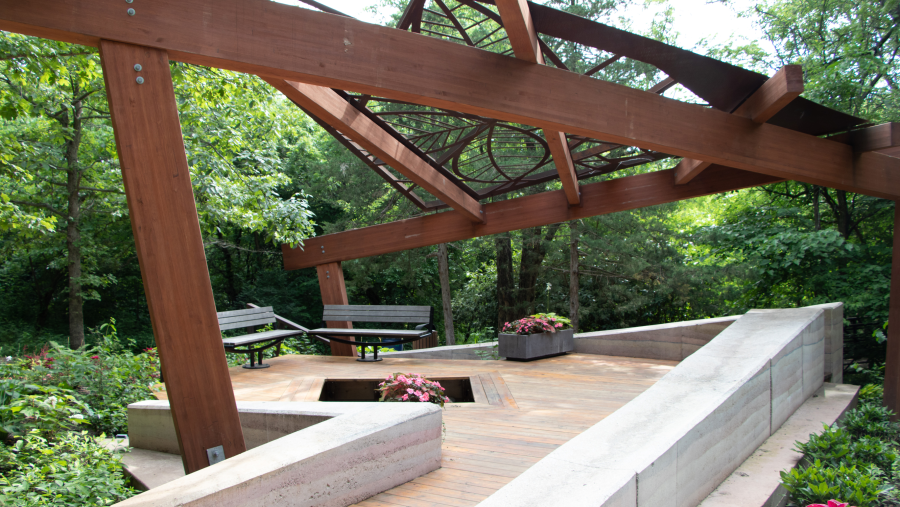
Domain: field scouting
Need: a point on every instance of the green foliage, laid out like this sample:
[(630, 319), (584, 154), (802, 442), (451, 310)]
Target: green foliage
[(871, 393), (871, 420), (43, 410), (819, 483), (71, 470)]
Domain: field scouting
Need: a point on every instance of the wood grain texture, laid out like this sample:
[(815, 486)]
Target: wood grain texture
[(562, 158), (783, 87), (170, 251), (329, 107), (539, 406), (520, 29), (280, 41), (530, 211), (334, 292), (892, 368), (884, 138)]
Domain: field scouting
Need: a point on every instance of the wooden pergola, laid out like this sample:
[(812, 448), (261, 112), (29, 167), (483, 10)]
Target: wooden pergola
[(444, 100)]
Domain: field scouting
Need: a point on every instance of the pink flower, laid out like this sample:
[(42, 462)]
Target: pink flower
[(831, 503), (424, 397), (410, 391), (405, 397), (446, 399), (419, 394), (95, 357)]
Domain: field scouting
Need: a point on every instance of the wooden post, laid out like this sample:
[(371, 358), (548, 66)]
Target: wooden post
[(334, 292), (892, 368), (444, 274), (170, 251)]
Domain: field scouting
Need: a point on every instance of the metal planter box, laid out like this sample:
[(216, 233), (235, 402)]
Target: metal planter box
[(534, 346)]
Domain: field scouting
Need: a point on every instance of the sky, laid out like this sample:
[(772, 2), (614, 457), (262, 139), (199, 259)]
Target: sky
[(694, 19)]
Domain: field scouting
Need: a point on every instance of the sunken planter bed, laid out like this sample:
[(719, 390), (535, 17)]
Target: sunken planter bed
[(525, 347)]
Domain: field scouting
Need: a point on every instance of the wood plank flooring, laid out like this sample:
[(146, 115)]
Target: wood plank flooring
[(526, 411)]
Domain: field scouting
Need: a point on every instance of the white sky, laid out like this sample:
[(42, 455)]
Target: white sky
[(694, 19)]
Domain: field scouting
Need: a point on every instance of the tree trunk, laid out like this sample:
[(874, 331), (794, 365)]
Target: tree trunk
[(843, 214), (505, 303), (534, 249), (818, 216), (444, 273), (573, 276), (73, 234)]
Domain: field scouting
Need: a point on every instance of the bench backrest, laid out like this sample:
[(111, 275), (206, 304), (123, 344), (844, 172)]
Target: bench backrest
[(246, 318), (379, 313)]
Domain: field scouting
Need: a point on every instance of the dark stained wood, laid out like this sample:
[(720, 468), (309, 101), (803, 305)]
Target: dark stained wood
[(331, 108), (663, 85), (334, 292), (539, 406), (892, 368), (170, 251), (884, 138), (783, 87), (280, 41), (562, 158), (522, 37), (530, 211)]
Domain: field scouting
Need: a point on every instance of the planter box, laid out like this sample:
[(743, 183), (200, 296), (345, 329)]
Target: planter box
[(533, 346)]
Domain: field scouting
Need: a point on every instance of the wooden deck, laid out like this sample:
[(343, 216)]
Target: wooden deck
[(522, 411)]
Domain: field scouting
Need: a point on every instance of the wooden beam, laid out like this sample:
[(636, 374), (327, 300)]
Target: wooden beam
[(519, 28), (785, 86), (884, 138), (170, 251), (562, 157), (331, 108), (522, 37), (892, 366), (601, 198), (334, 292), (285, 42)]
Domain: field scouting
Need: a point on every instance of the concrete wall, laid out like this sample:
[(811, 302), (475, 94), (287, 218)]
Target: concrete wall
[(337, 462), (834, 341), (150, 423), (673, 444), (674, 341)]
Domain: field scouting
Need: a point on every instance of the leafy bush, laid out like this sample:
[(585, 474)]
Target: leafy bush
[(873, 420), (819, 483), (871, 393), (836, 446), (44, 410), (73, 470)]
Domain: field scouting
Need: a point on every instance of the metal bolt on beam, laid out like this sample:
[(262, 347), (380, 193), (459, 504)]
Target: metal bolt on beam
[(128, 1), (131, 12), (140, 80), (137, 67)]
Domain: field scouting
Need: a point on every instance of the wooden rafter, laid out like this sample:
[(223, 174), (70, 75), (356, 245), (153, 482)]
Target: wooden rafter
[(785, 86), (884, 138), (601, 198), (519, 28), (285, 42), (331, 108)]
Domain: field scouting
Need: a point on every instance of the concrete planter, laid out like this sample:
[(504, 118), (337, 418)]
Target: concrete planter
[(533, 346)]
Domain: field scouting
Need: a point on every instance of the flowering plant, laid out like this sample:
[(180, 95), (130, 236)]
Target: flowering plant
[(537, 323), (412, 387), (831, 503)]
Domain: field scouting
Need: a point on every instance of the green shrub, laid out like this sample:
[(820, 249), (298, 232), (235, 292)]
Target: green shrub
[(819, 483), (47, 410), (871, 419), (830, 447), (871, 393), (74, 470)]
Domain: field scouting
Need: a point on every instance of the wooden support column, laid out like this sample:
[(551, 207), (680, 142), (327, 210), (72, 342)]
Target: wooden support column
[(334, 292), (892, 368), (170, 251)]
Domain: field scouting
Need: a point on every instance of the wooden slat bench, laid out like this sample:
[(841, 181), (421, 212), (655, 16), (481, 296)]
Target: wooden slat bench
[(423, 316), (255, 343)]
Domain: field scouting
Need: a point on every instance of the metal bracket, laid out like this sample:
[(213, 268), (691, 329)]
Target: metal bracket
[(215, 454)]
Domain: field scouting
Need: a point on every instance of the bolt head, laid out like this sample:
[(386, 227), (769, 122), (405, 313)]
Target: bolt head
[(128, 1), (137, 67), (131, 12), (139, 80)]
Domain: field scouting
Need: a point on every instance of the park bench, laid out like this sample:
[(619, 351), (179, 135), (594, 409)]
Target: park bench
[(422, 316), (252, 342)]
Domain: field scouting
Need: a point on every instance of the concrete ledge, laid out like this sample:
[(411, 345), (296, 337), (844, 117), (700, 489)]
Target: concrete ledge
[(338, 462), (673, 342), (757, 482), (150, 423), (677, 441), (466, 352)]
